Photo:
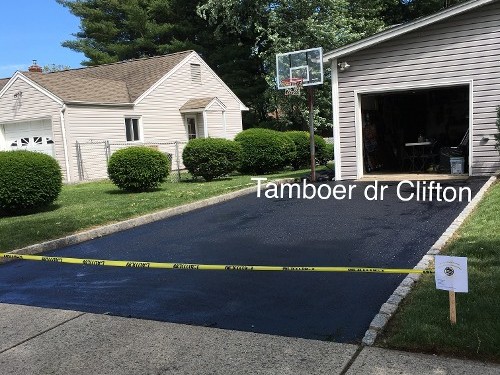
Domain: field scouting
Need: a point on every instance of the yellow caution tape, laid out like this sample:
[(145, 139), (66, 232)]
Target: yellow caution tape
[(206, 267)]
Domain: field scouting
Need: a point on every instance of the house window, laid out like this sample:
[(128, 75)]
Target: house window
[(196, 73), (132, 129), (191, 127)]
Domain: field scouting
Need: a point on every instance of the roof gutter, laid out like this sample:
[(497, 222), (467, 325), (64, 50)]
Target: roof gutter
[(98, 104)]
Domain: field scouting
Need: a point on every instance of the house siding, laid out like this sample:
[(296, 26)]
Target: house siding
[(34, 105), (464, 48), (88, 123), (160, 109), (160, 119)]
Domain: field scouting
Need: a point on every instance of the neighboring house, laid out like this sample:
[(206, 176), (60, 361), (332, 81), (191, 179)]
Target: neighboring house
[(167, 98), (437, 78)]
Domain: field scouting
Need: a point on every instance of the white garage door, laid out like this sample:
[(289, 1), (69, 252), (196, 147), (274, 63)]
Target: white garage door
[(30, 135)]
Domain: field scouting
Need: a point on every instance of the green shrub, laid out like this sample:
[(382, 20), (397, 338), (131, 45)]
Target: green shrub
[(322, 156), (138, 168), (303, 149), (302, 145), (28, 180), (323, 159), (264, 150), (211, 157)]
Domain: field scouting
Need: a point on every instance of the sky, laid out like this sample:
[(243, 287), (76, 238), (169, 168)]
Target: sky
[(36, 35)]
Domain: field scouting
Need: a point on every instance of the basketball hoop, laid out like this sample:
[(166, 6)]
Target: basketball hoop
[(292, 85)]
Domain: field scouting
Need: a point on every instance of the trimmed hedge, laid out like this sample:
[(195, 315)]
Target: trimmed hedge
[(328, 154), (28, 180), (138, 168), (322, 156), (303, 154), (211, 158), (264, 150)]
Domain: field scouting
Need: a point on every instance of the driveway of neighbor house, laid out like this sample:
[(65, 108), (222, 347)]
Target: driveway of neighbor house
[(248, 230)]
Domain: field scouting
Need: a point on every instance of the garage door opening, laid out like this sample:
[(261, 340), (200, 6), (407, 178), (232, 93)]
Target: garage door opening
[(35, 135), (416, 131)]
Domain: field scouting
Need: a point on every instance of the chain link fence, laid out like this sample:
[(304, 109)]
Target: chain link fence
[(93, 156), (329, 140)]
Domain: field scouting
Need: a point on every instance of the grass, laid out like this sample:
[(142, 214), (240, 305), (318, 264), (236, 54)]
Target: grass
[(92, 204), (422, 322)]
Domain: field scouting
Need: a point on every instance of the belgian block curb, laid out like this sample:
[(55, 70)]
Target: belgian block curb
[(105, 230), (391, 305)]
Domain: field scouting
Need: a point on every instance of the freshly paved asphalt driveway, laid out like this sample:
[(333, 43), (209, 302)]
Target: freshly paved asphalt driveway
[(253, 231)]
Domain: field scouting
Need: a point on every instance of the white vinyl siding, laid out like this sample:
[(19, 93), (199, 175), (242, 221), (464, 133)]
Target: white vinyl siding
[(94, 123), (160, 109), (464, 48)]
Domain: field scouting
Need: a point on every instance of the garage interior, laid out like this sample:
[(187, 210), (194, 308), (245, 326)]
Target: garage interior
[(416, 131)]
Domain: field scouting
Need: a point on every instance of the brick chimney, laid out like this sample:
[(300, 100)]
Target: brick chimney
[(35, 68)]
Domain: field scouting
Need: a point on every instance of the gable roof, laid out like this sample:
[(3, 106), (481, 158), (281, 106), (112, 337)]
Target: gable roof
[(201, 104), (117, 83), (395, 31)]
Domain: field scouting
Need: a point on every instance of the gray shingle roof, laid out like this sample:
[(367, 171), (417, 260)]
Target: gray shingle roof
[(3, 82), (196, 103), (121, 82)]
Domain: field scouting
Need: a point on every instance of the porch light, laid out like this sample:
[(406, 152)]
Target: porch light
[(18, 95)]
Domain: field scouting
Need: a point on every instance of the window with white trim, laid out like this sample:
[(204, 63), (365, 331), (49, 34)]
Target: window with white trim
[(132, 129)]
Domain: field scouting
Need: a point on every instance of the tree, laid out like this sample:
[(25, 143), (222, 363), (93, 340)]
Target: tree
[(115, 30), (51, 68), (288, 25)]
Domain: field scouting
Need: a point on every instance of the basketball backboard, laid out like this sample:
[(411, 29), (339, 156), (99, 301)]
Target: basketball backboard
[(305, 65)]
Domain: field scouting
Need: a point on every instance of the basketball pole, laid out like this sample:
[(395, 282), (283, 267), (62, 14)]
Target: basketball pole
[(310, 99)]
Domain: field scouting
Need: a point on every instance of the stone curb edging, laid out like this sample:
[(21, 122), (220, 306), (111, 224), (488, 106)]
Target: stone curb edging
[(388, 309), (105, 230)]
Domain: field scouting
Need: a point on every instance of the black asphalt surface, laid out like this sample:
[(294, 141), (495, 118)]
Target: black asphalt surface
[(252, 231)]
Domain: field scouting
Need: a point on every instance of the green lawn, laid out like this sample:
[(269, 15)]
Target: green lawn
[(91, 204), (422, 322)]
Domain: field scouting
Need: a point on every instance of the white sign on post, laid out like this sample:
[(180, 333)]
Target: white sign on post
[(451, 273)]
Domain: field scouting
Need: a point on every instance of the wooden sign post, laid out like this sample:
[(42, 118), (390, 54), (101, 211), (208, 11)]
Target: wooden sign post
[(453, 307), (451, 275)]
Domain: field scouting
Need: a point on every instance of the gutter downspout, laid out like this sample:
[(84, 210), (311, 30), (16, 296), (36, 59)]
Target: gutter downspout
[(65, 142)]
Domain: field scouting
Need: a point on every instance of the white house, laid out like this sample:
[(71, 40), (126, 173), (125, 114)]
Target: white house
[(167, 98)]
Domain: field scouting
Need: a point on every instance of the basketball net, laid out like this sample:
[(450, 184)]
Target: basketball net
[(292, 86)]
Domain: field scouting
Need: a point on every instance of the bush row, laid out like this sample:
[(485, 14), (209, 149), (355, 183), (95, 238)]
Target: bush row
[(30, 180), (253, 151)]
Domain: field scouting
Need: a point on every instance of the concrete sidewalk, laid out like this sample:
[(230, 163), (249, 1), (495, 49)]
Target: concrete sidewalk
[(42, 341)]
